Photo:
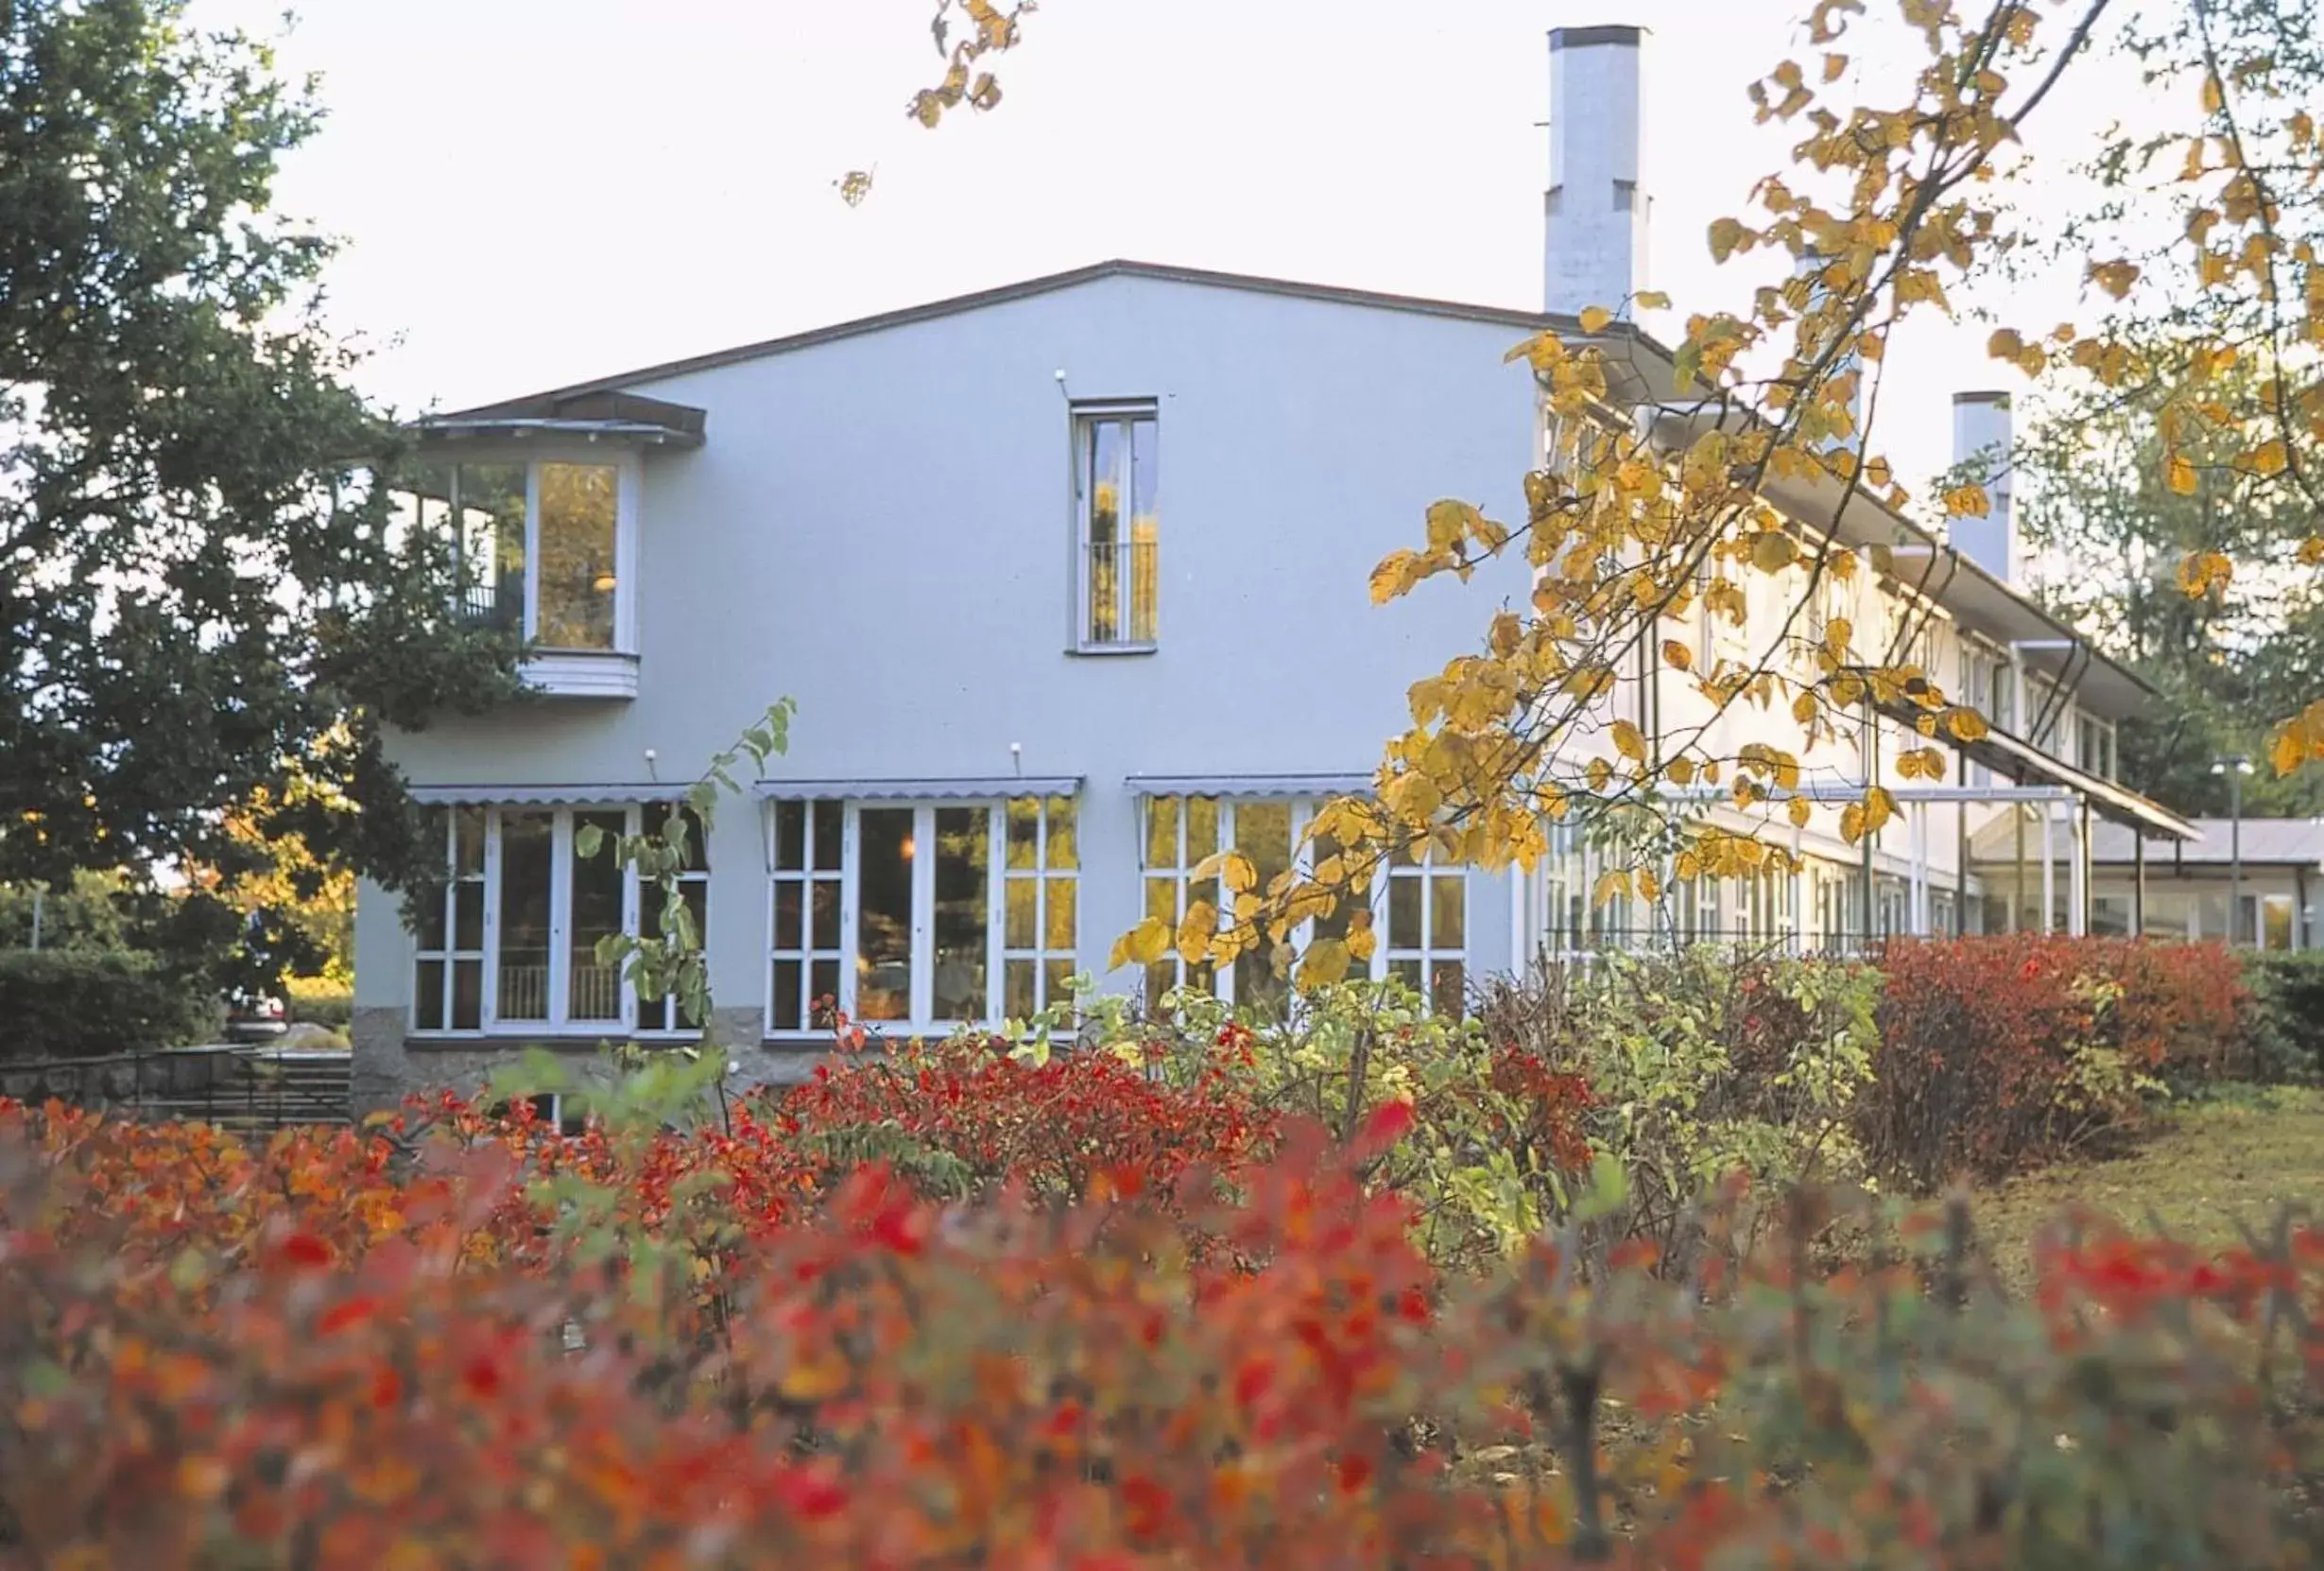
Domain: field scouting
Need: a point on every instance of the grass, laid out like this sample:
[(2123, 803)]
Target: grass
[(2238, 1155)]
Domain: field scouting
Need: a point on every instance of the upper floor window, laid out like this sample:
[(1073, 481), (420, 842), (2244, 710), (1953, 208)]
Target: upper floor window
[(1117, 502), (542, 547), (2094, 746)]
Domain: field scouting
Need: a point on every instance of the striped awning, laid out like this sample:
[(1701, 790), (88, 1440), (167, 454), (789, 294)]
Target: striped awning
[(982, 787), (1250, 786), (546, 796)]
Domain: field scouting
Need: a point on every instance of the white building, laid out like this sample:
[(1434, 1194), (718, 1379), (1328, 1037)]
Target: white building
[(1069, 580), (2253, 882)]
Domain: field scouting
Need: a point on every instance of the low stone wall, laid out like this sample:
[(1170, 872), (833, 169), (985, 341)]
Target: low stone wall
[(182, 1074), (390, 1065)]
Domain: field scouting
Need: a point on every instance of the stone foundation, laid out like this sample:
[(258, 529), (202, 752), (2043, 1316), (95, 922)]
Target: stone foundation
[(390, 1064)]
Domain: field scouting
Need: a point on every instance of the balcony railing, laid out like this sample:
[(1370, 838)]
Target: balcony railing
[(1123, 592), (592, 993), (497, 606)]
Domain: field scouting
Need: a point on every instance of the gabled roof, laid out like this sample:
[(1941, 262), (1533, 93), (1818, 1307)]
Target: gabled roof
[(1499, 316)]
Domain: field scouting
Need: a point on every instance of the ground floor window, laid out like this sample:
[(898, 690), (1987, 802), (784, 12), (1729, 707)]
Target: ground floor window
[(922, 916), (1418, 911), (509, 941)]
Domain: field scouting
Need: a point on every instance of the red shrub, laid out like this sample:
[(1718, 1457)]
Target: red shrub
[(2000, 1052), (1052, 1127)]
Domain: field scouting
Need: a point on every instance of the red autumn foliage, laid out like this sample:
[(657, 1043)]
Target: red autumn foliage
[(369, 1366), (693, 1349), (1052, 1127), (2003, 1052)]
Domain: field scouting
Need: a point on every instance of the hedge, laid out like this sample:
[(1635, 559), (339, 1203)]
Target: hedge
[(1999, 1053), (2287, 1027), (63, 1004)]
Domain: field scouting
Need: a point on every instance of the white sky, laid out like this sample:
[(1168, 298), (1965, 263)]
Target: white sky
[(534, 193)]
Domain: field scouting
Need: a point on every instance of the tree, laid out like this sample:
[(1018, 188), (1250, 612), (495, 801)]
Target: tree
[(2110, 534), (203, 580)]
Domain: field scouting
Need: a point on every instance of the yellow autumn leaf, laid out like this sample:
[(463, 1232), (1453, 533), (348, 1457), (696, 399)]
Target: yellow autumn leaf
[(1325, 962), (1676, 655), (1966, 724), (1628, 742), (1141, 945), (1799, 812), (1396, 574), (1773, 551), (1649, 886), (1651, 299), (1362, 941), (1726, 237), (1195, 933), (2179, 475), (2270, 459), (1594, 318)]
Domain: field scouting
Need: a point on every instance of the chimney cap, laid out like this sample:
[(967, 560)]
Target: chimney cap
[(1588, 37), (1989, 397)]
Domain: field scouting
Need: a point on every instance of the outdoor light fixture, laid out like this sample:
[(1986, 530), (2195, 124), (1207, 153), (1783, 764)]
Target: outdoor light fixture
[(2234, 766)]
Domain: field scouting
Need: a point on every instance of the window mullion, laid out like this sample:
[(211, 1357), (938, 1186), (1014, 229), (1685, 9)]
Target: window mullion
[(996, 912), (851, 878), (489, 1014), (632, 913), (532, 553), (924, 914), (560, 901)]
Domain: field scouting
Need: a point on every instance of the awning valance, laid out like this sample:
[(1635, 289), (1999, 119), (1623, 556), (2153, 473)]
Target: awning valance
[(954, 789), (1250, 786), (545, 796)]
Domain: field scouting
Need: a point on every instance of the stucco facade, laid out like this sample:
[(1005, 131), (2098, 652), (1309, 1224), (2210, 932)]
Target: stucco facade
[(882, 525)]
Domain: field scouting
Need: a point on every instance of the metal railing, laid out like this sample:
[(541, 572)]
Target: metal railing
[(1123, 592), (251, 1089), (497, 606), (591, 992)]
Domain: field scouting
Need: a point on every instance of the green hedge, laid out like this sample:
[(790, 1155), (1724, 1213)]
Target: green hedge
[(318, 1003), (2287, 1026), (61, 1004)]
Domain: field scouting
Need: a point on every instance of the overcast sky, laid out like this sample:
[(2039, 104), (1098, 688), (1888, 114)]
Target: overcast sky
[(533, 193)]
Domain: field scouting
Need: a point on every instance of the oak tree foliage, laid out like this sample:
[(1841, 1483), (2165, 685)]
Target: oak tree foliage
[(201, 598)]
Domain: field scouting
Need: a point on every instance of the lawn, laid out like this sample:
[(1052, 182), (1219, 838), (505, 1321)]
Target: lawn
[(2238, 1155)]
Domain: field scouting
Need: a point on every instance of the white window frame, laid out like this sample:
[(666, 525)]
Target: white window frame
[(648, 914), (1127, 413), (559, 1023), (998, 952), (628, 488), (1374, 900)]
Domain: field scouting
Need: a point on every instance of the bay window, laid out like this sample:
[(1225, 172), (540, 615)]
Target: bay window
[(543, 548), (509, 942), (920, 916)]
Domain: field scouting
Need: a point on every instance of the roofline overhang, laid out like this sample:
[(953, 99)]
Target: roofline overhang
[(2005, 753)]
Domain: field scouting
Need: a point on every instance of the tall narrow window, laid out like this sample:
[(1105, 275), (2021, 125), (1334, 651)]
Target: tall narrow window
[(448, 975), (528, 865), (661, 820), (1428, 912), (1179, 833), (1263, 833), (807, 938), (1040, 915), (600, 906), (577, 577), (1117, 485), (885, 850)]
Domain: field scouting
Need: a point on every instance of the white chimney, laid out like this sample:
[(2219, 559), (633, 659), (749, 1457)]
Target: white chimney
[(1981, 442), (1595, 213)]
